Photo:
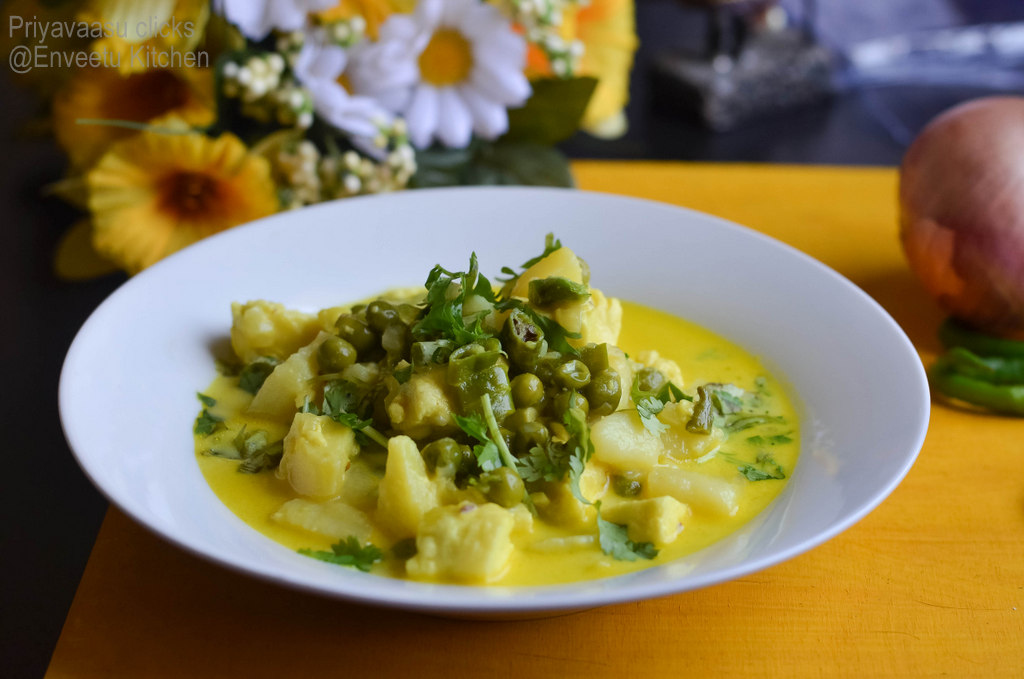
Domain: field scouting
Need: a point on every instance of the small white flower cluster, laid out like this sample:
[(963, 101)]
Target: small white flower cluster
[(344, 32), (351, 174), (305, 176), (542, 20), (266, 93), (296, 165)]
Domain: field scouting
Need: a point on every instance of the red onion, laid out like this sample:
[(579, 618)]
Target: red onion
[(962, 212)]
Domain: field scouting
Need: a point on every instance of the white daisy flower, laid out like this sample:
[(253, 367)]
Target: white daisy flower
[(451, 68), (256, 18), (321, 70)]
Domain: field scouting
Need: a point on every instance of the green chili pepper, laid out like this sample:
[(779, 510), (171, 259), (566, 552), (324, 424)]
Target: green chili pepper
[(556, 291), (474, 372), (703, 417), (523, 340), (1001, 398), (993, 369), (953, 333)]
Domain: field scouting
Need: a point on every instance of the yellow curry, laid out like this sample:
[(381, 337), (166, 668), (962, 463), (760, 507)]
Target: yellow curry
[(532, 432)]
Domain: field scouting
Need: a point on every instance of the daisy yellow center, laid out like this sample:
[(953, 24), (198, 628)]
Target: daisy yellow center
[(447, 59), (345, 83), (190, 195)]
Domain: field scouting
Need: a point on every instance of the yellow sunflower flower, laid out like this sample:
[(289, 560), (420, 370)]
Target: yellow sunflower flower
[(154, 193), (607, 29), (103, 94), (146, 34)]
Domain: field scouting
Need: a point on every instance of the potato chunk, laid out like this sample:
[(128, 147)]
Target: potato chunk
[(262, 328), (658, 519), (700, 491), (423, 405), (333, 519), (602, 320), (406, 492), (621, 441), (317, 451), (286, 388), (468, 542), (563, 262)]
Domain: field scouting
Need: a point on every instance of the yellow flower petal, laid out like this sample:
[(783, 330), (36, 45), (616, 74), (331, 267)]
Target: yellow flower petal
[(152, 194), (104, 94), (76, 259)]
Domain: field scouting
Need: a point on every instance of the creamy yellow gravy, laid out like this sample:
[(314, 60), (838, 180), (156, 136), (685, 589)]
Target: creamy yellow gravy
[(702, 356)]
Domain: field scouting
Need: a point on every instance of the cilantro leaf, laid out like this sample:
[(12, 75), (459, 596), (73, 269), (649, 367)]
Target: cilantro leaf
[(348, 552), (742, 421), (581, 447), (544, 463), (255, 374), (207, 422), (648, 405), (764, 468), (444, 314), (615, 542), (488, 456), (550, 245)]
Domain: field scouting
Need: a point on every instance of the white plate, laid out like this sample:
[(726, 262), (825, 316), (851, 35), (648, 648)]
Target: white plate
[(127, 391)]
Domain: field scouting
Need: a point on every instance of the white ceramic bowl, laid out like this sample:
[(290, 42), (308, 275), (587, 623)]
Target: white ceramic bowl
[(127, 390)]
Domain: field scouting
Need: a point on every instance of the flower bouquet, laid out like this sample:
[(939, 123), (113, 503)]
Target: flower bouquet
[(181, 118)]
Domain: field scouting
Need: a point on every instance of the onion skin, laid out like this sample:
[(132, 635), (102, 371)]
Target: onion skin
[(961, 200)]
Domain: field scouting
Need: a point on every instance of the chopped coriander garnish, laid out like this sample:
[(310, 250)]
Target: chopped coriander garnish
[(207, 422), (255, 374), (615, 542), (348, 552)]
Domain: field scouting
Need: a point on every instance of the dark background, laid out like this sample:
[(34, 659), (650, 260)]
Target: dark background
[(51, 513)]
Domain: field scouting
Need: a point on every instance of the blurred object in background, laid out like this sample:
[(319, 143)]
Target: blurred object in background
[(911, 59), (755, 61), (907, 60)]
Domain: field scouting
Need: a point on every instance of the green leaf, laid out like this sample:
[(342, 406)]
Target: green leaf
[(207, 401), (516, 163), (443, 318), (255, 374), (615, 542), (207, 422), (764, 468), (487, 454), (553, 112), (440, 166), (348, 552), (648, 405)]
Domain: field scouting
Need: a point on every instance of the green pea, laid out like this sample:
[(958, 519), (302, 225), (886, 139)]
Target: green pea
[(595, 356), (651, 379), (396, 340), (527, 390), (503, 486), (530, 434), (573, 374), (604, 392), (627, 484), (357, 333), (547, 365), (380, 314), (520, 417), (335, 354), (569, 399), (447, 457)]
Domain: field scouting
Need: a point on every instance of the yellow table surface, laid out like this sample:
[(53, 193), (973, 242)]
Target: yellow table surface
[(930, 583)]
